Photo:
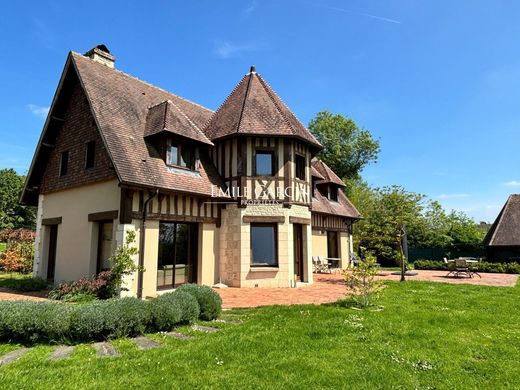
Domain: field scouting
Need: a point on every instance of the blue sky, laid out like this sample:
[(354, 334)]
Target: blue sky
[(437, 82)]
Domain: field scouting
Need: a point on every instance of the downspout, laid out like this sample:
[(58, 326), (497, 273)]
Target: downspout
[(141, 245)]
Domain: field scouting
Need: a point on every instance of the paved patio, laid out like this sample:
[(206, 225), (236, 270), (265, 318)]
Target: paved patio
[(329, 288), (10, 295)]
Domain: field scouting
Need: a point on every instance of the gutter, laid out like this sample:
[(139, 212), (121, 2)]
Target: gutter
[(141, 244)]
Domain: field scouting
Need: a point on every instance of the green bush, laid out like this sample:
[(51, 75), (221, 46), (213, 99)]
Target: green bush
[(483, 266), (25, 284), (108, 319), (209, 301), (32, 322), (190, 308), (166, 312)]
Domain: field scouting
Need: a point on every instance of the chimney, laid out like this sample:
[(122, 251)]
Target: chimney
[(101, 54)]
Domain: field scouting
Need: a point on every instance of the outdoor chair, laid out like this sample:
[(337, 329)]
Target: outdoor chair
[(451, 267), (324, 265), (461, 267), (473, 270)]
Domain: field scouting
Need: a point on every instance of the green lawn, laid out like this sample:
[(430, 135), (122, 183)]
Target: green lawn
[(2, 246), (7, 279), (429, 335)]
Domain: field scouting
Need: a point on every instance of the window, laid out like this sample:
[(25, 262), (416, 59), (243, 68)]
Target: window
[(332, 245), (90, 154), (264, 163), (64, 163), (333, 193), (180, 155), (264, 245), (300, 167)]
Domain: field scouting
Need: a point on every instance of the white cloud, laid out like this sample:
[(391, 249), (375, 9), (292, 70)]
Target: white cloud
[(371, 16), (225, 49), (251, 8), (512, 183), (452, 196), (40, 111)]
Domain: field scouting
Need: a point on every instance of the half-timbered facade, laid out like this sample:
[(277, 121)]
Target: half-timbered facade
[(234, 196)]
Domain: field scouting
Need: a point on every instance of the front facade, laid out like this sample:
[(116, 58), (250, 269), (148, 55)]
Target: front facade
[(234, 196)]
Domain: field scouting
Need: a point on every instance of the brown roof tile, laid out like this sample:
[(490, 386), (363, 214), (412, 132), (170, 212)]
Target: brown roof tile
[(343, 207), (120, 104), (254, 108), (328, 175)]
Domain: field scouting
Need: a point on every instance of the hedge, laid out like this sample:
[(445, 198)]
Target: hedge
[(58, 322), (483, 266)]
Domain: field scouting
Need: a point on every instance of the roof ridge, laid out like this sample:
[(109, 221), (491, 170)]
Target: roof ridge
[(145, 82), (500, 218), (248, 87), (267, 89)]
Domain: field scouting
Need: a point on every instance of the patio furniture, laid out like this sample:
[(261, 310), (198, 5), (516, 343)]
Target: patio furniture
[(473, 269), (461, 267), (451, 267), (320, 265), (333, 264)]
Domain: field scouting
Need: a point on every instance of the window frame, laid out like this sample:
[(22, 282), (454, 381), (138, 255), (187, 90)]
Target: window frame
[(270, 152), (64, 163), (333, 190), (190, 165), (88, 145), (276, 255), (303, 160)]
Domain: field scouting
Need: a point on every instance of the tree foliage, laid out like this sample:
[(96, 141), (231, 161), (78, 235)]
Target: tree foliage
[(387, 210), (347, 147), (12, 213)]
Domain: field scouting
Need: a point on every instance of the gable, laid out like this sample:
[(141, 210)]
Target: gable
[(77, 129)]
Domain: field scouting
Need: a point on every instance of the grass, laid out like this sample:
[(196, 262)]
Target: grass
[(10, 279), (3, 245), (428, 335)]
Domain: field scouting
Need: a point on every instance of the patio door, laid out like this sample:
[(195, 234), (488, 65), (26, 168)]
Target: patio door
[(298, 251), (51, 256), (177, 260), (104, 250)]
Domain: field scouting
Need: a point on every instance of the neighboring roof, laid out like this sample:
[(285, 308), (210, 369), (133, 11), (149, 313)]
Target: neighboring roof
[(343, 207), (253, 108), (505, 231), (168, 117), (327, 174)]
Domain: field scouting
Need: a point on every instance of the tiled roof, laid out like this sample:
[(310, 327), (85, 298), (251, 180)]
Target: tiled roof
[(315, 173), (168, 117), (328, 175), (120, 105), (343, 207), (505, 231), (253, 108)]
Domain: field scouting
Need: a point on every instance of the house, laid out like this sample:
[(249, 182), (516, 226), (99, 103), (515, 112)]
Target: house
[(232, 196), (502, 241)]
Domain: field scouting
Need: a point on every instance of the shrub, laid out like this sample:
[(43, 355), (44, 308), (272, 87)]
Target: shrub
[(110, 319), (26, 284), (34, 321), (190, 308), (483, 266), (166, 312), (430, 264), (97, 287), (361, 283), (208, 299), (19, 253)]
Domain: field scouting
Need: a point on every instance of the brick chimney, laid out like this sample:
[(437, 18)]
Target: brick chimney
[(101, 54)]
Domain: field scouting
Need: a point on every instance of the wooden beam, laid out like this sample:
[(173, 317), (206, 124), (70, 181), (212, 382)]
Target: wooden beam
[(301, 221), (125, 207), (263, 219), (103, 216), (51, 221)]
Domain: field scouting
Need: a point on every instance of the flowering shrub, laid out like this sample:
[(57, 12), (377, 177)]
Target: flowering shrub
[(19, 253), (97, 287)]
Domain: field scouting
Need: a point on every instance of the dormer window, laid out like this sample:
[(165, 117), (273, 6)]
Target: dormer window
[(178, 155), (264, 161)]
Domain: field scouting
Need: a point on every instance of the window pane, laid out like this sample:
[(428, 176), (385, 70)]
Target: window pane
[(90, 154), (263, 245), (333, 193), (165, 259), (332, 245), (182, 252), (264, 164), (185, 157), (173, 155)]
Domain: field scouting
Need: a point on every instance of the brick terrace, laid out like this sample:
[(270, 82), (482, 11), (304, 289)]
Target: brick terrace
[(330, 288)]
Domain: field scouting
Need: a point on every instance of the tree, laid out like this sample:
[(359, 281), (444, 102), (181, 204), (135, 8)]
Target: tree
[(347, 148), (12, 213)]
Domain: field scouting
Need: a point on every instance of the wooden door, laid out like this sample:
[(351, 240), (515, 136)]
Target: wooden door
[(298, 251)]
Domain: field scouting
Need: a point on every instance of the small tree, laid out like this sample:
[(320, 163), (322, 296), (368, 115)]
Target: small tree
[(122, 263), (361, 281)]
